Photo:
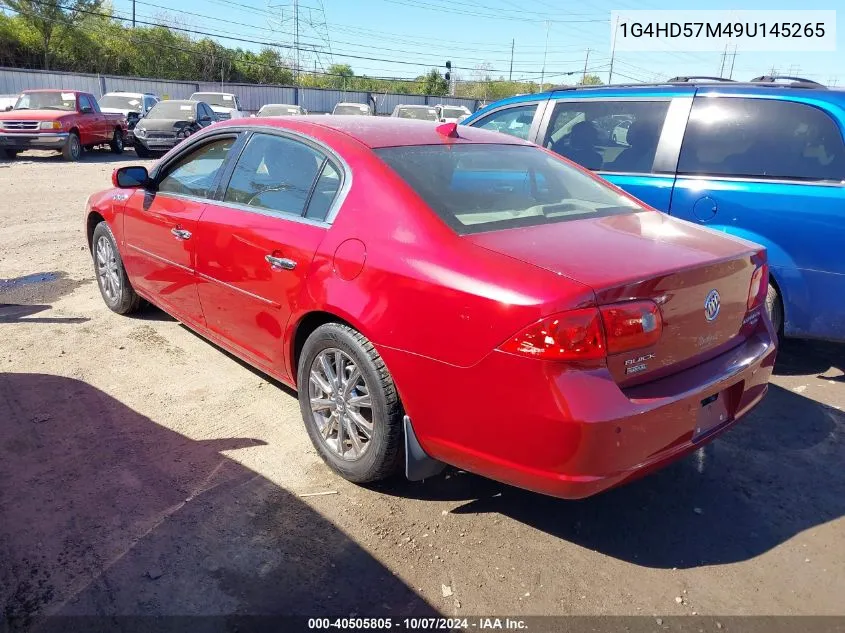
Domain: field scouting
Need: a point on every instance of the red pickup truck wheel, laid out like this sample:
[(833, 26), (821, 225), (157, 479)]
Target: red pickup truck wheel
[(73, 148), (117, 142)]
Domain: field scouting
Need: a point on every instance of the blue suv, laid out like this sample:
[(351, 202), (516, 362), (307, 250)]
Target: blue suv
[(761, 160)]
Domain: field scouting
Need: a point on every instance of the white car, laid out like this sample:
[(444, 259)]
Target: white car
[(359, 109), (225, 104), (7, 102), (127, 103), (281, 109), (451, 113), (418, 112)]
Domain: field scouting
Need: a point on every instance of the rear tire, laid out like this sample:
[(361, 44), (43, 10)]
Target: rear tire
[(72, 150), (112, 280), (140, 150), (9, 154), (117, 142), (359, 412), (774, 306)]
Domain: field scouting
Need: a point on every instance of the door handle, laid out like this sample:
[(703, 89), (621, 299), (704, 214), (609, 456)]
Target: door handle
[(280, 263), (181, 234)]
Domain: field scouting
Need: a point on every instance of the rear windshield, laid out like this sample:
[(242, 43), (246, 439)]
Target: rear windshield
[(476, 188), (121, 102), (422, 114), (454, 113), (351, 109), (173, 110), (278, 110), (215, 99)]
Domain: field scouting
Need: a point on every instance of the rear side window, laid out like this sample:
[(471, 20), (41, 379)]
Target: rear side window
[(515, 121), (328, 184), (614, 136), (274, 173), (476, 188), (761, 138)]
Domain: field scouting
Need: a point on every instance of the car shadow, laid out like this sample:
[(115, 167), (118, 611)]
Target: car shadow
[(799, 358), (773, 476), (15, 313), (105, 512), (98, 156)]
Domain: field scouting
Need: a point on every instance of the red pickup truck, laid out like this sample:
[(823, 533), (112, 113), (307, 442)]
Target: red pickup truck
[(64, 120)]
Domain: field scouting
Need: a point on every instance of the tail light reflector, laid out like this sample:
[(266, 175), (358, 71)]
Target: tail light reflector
[(574, 335), (631, 325), (759, 287)]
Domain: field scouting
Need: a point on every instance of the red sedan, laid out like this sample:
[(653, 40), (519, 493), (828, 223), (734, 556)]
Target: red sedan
[(445, 295)]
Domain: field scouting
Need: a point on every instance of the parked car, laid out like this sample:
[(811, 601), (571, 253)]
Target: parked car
[(67, 121), (352, 109), (132, 105), (418, 112), (452, 113), (226, 105), (375, 264), (759, 160), (7, 102), (281, 109), (169, 123)]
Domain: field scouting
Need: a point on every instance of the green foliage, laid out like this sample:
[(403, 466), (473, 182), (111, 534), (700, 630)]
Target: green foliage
[(85, 38), (591, 80)]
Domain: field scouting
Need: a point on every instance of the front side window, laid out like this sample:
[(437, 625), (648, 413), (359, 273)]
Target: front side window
[(274, 173), (614, 136), (85, 104), (761, 138), (483, 187), (515, 121), (195, 174)]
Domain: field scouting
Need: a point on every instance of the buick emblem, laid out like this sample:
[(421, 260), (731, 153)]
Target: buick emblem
[(712, 304)]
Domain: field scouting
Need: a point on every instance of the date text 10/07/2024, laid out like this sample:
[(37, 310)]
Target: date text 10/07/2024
[(419, 624)]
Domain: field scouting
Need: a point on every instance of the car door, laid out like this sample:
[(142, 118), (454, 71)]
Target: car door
[(642, 162), (160, 226), (772, 171), (89, 122), (257, 242)]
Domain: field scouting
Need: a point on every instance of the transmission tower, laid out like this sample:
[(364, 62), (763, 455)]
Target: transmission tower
[(302, 24)]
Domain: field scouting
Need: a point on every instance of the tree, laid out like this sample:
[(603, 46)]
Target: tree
[(590, 80), (52, 19), (433, 83), (340, 75)]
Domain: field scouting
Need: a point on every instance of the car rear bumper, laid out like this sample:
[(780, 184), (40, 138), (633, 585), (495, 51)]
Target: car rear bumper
[(33, 140), (568, 432)]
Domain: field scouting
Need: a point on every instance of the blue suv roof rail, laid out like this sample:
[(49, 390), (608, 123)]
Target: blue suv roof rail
[(795, 82), (694, 78)]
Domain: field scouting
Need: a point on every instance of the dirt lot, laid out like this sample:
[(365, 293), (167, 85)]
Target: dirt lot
[(145, 471)]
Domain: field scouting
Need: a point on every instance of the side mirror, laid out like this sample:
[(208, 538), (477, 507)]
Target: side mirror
[(130, 177), (9, 108)]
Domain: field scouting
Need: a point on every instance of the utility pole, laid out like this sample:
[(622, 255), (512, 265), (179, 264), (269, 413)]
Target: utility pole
[(221, 74), (296, 35), (510, 72), (586, 61), (733, 61), (722, 67), (133, 14), (613, 51), (545, 51)]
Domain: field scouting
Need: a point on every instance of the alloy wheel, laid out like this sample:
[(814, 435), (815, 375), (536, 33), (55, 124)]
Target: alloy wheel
[(108, 269), (341, 405)]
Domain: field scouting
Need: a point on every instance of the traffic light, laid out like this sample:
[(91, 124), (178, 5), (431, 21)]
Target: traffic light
[(448, 71)]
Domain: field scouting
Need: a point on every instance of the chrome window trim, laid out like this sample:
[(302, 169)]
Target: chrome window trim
[(756, 179), (269, 213)]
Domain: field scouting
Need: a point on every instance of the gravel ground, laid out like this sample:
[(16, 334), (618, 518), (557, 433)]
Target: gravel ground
[(145, 471)]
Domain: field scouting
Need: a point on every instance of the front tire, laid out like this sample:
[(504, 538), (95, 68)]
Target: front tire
[(350, 405), (72, 150), (117, 142), (9, 154), (140, 150), (112, 280)]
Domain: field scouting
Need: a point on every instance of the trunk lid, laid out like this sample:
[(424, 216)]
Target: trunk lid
[(648, 255)]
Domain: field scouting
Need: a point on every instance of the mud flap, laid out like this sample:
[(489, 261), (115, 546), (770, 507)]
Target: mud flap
[(418, 465)]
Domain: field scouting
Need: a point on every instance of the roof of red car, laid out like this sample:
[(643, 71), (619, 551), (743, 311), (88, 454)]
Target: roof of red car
[(376, 131)]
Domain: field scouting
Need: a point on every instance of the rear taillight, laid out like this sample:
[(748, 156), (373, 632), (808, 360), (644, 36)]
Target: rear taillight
[(574, 335), (590, 333), (632, 325), (759, 287)]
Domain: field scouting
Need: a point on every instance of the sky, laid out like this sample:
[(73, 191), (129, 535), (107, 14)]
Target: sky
[(404, 38)]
